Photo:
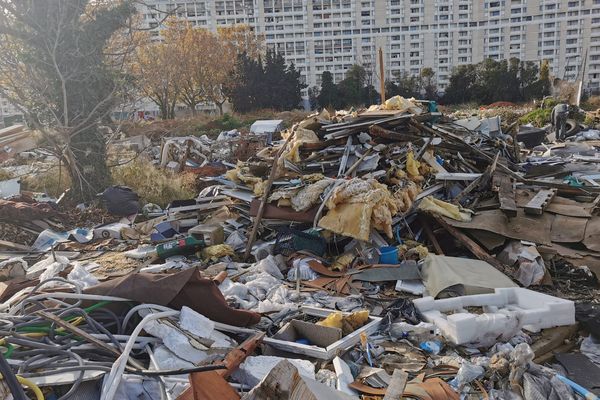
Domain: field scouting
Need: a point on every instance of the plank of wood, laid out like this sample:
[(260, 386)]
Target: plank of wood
[(397, 384), (263, 200), (456, 176), (431, 236), (540, 201), (553, 338), (473, 246), (16, 246), (505, 187)]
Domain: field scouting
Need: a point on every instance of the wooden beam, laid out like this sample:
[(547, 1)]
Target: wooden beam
[(264, 199), (479, 183), (395, 389), (431, 236), (473, 246), (505, 187), (381, 76), (540, 201)]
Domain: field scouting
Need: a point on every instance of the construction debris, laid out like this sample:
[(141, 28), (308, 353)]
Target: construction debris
[(387, 253)]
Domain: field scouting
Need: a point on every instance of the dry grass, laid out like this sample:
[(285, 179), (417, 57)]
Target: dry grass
[(210, 125), (154, 185), (4, 175), (53, 181)]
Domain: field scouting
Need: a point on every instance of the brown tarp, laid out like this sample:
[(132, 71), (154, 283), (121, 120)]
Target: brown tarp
[(185, 288)]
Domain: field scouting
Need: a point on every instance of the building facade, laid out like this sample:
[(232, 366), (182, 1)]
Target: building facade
[(331, 35)]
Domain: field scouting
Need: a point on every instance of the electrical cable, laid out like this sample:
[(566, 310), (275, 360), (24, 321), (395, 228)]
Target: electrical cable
[(135, 309), (34, 388), (11, 380), (129, 370), (112, 381)]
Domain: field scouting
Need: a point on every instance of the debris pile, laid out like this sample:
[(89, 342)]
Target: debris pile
[(393, 252)]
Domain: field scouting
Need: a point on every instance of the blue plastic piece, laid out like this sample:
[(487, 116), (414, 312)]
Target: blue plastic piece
[(389, 255), (578, 388), (431, 346)]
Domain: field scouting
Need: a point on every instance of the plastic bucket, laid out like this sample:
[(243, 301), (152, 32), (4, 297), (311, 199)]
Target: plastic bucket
[(388, 255)]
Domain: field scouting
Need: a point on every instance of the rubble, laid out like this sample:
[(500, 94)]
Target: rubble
[(386, 253)]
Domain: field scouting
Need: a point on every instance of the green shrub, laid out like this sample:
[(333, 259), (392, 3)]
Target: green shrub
[(538, 117)]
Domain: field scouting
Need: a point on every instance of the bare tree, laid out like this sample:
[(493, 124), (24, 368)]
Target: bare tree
[(62, 66)]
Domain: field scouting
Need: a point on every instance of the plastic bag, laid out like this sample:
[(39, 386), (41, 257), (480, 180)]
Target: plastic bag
[(305, 272), (80, 276), (400, 308), (270, 265), (13, 268), (520, 359), (333, 320), (591, 348), (120, 200), (466, 374)]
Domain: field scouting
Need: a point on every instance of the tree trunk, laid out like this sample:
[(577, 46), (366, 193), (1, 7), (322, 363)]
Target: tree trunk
[(85, 158), (220, 105)]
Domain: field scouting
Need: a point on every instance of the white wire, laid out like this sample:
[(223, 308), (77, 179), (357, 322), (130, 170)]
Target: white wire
[(131, 312), (111, 382)]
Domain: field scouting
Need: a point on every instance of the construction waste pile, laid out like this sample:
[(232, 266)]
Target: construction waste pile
[(387, 253)]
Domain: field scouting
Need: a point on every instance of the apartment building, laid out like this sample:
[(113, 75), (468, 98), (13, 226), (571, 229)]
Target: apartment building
[(331, 35)]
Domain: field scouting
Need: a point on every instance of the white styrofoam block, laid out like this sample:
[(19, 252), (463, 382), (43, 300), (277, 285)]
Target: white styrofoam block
[(504, 312), (195, 323)]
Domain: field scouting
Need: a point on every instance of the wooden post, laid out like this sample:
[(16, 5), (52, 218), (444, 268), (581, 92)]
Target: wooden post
[(381, 76), (265, 196)]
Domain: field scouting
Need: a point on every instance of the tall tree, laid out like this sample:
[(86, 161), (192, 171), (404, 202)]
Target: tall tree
[(246, 89), (293, 88), (428, 85), (405, 85), (462, 84), (351, 87), (160, 78), (221, 60), (313, 97), (55, 66), (328, 96), (272, 85)]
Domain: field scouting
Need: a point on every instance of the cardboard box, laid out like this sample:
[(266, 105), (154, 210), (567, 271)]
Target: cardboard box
[(326, 342), (317, 335)]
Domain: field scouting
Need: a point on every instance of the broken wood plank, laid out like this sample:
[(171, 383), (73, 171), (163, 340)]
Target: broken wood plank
[(479, 183), (473, 246), (16, 246), (505, 186), (431, 236), (553, 338), (540, 201), (456, 176), (263, 200), (396, 387)]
